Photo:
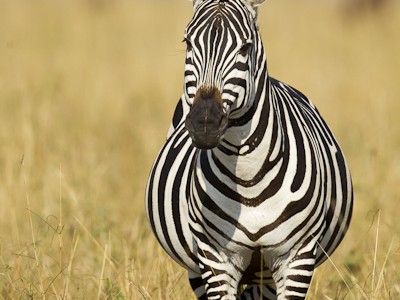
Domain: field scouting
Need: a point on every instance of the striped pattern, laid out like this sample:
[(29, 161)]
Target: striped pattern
[(264, 207)]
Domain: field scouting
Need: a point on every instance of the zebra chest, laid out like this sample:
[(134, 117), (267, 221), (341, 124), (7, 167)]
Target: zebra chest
[(233, 216), (229, 221), (228, 211)]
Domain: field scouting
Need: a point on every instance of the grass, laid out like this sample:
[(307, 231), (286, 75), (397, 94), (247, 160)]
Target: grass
[(87, 90)]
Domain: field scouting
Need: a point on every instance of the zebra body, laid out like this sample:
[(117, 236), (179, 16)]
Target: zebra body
[(251, 186)]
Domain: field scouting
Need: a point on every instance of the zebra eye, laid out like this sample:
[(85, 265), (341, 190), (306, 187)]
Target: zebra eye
[(188, 44), (245, 49)]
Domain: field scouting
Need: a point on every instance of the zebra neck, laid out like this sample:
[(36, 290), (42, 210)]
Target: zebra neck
[(252, 148)]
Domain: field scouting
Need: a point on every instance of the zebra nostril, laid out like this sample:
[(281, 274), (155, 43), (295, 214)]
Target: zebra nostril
[(189, 124), (224, 122)]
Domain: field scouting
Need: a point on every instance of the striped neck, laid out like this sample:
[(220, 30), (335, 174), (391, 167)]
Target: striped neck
[(248, 131), (254, 142)]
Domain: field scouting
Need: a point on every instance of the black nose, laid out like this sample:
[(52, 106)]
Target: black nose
[(206, 121)]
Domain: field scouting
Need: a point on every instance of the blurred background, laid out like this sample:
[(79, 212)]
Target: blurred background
[(87, 92)]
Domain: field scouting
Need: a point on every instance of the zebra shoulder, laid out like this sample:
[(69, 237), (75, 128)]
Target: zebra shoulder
[(293, 93), (295, 96)]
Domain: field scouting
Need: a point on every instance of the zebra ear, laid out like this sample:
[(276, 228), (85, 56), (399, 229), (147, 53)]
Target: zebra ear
[(195, 3), (255, 3)]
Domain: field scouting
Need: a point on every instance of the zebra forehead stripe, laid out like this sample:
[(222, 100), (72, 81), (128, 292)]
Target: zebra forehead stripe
[(229, 16)]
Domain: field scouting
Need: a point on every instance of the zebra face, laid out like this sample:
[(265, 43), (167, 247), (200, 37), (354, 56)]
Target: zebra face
[(219, 67)]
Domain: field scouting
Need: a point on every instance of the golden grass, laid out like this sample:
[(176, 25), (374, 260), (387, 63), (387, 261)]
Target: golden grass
[(87, 90)]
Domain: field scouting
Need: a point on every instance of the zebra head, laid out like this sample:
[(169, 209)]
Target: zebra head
[(222, 41)]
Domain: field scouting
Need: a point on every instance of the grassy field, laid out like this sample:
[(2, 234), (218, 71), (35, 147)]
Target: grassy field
[(87, 90)]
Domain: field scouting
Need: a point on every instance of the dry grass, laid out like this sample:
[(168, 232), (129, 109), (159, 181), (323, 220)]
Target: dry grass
[(87, 90)]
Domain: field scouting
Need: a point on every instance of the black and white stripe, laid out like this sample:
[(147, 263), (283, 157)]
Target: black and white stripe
[(251, 191)]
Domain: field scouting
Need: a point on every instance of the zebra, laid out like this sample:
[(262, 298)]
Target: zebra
[(250, 192)]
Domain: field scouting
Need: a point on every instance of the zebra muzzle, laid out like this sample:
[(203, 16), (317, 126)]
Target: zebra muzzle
[(206, 122)]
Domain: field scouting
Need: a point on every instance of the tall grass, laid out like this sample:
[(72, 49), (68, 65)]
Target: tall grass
[(87, 90)]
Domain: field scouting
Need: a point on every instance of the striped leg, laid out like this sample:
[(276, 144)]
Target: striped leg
[(220, 276), (293, 276)]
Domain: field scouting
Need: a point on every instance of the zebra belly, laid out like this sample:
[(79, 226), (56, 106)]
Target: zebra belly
[(166, 201)]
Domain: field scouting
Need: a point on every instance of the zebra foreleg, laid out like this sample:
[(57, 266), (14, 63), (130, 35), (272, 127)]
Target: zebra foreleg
[(252, 292), (293, 276), (220, 275)]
